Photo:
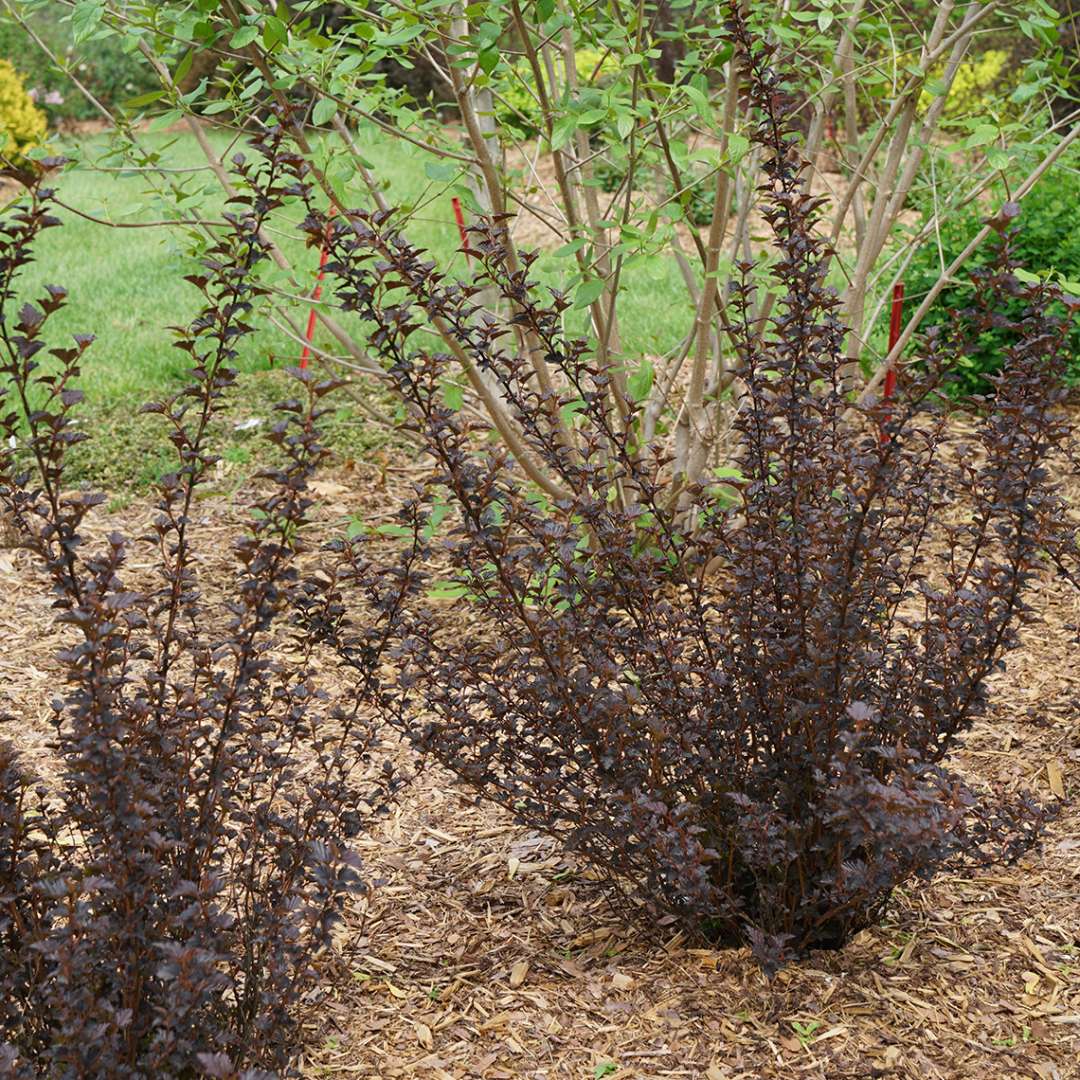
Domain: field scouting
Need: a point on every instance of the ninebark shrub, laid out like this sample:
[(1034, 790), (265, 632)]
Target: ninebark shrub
[(736, 701), (165, 901)]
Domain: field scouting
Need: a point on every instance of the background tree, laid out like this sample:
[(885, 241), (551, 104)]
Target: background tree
[(573, 118)]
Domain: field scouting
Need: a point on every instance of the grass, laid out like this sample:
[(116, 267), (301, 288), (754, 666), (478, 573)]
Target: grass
[(126, 285), (129, 450)]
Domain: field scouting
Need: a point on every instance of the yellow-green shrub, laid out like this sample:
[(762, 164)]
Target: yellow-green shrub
[(22, 123), (973, 82), (518, 109)]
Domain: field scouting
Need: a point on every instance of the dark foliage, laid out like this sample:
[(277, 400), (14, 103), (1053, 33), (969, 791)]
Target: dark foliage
[(164, 901), (734, 702)]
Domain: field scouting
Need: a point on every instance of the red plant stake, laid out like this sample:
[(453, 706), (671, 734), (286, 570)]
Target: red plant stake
[(316, 293), (894, 337), (459, 217)]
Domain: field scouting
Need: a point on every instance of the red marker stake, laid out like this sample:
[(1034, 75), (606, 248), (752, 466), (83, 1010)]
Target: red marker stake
[(324, 255), (459, 217), (895, 319)]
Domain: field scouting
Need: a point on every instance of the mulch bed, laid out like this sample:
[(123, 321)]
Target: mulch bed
[(487, 953)]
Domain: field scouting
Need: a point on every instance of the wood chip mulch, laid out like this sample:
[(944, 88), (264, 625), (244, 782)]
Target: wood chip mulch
[(487, 953)]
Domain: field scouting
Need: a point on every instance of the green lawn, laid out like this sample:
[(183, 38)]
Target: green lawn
[(126, 285)]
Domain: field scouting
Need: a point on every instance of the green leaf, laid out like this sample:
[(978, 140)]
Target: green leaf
[(389, 529), (325, 110), (350, 63), (252, 89), (700, 102), (439, 170), (183, 67), (275, 32), (447, 590), (438, 513), (983, 134), (588, 291), (468, 199), (1024, 92), (572, 248), (244, 36), (166, 119), (605, 1068), (737, 147), (143, 99), (488, 60), (453, 395), (86, 18), (563, 132), (640, 383), (397, 37), (570, 410)]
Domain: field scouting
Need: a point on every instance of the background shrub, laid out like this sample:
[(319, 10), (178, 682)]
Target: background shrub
[(518, 110), (973, 85), (21, 122), (102, 63), (1049, 241)]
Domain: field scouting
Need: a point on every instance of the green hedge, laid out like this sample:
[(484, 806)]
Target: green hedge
[(1048, 240), (111, 74)]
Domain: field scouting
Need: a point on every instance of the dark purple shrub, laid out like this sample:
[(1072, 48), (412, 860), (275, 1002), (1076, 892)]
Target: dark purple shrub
[(164, 905), (734, 701)]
